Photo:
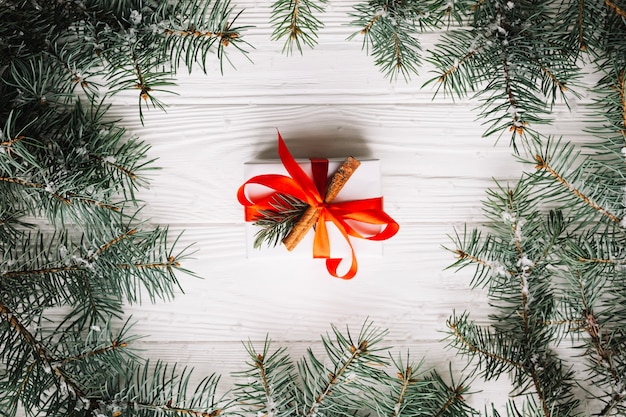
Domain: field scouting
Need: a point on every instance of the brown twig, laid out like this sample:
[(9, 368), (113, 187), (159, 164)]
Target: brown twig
[(171, 263), (472, 348), (116, 344), (334, 377), (464, 255), (114, 241), (29, 184), (407, 379), (615, 8), (370, 24), (39, 351), (543, 164), (456, 66), (10, 142), (225, 37), (581, 39), (68, 199), (119, 167), (455, 396), (293, 28)]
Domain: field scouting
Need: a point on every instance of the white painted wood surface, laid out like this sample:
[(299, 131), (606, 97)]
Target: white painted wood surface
[(331, 102)]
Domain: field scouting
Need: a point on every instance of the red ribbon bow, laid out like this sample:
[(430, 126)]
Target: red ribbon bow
[(300, 186)]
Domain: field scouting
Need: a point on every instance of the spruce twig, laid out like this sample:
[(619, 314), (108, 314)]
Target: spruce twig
[(277, 223), (296, 22)]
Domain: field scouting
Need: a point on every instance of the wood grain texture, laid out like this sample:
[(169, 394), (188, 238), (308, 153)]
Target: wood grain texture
[(330, 102)]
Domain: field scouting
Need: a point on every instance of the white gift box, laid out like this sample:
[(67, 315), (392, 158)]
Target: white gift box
[(364, 183)]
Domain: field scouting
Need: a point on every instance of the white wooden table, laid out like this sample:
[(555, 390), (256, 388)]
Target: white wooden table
[(330, 102)]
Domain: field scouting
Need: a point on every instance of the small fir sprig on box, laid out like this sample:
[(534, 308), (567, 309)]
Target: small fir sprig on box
[(276, 224)]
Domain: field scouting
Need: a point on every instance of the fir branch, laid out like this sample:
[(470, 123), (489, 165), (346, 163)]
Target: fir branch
[(169, 264), (472, 249), (449, 396), (112, 242), (388, 29), (144, 90), (537, 383), (79, 67), (92, 280), (517, 126), (553, 79), (609, 127), (107, 161), (592, 295), (365, 31), (225, 37), (268, 386), (602, 261), (92, 302), (604, 355), (34, 185), (90, 201), (514, 59), (192, 29), (542, 164), (335, 377), (296, 22), (406, 380), (455, 395), (585, 22), (276, 224), (555, 226), (160, 389), (550, 382), (446, 75), (100, 346), (354, 363), (68, 199), (66, 389), (466, 256), (16, 325), (411, 392), (457, 324), (10, 142)]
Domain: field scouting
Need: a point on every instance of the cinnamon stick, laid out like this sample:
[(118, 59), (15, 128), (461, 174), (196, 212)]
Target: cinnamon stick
[(340, 178), (309, 218), (301, 228)]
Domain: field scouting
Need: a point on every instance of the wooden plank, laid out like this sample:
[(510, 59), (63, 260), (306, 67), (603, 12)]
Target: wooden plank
[(432, 170)]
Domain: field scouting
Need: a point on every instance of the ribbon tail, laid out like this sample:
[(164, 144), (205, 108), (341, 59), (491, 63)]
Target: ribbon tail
[(321, 243), (333, 263)]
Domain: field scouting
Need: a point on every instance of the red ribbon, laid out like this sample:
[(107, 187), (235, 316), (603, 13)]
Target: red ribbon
[(300, 186)]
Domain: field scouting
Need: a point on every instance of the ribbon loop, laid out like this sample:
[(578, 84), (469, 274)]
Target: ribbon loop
[(312, 191)]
